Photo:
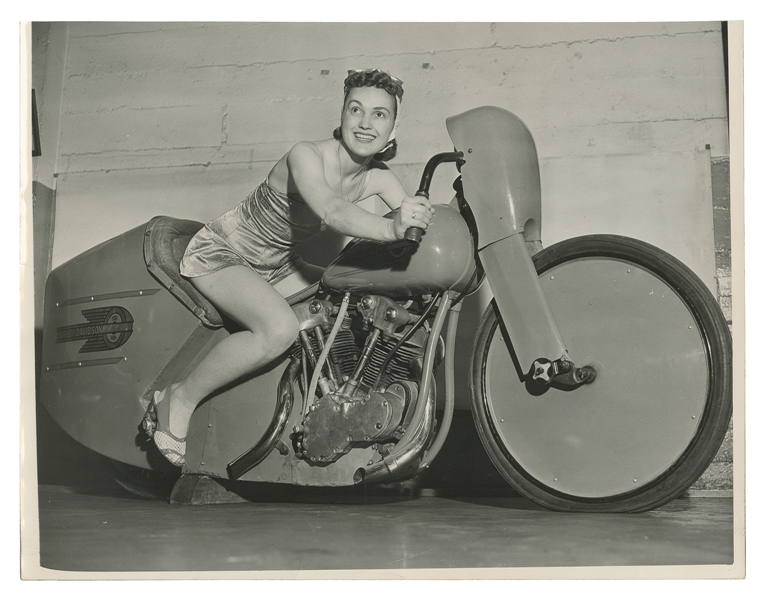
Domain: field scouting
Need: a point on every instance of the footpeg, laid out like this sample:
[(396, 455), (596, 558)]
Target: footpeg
[(562, 372), (543, 371), (149, 421)]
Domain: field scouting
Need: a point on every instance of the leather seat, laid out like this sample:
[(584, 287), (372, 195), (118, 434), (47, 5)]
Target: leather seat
[(164, 243)]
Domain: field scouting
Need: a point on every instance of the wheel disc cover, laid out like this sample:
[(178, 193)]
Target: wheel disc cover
[(632, 424)]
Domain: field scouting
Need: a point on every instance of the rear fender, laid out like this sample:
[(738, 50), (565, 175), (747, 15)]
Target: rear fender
[(112, 334)]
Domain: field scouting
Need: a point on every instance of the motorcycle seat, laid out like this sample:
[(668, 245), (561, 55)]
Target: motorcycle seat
[(164, 243)]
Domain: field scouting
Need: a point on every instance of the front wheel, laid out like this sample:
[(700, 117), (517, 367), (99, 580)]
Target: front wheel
[(653, 419)]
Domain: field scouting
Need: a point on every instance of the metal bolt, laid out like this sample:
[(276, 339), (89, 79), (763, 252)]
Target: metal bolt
[(47, 368), (555, 479), (378, 425), (367, 438), (202, 463), (470, 150), (693, 416), (634, 481), (501, 420), (91, 298), (79, 364), (209, 424), (56, 303), (385, 403), (629, 270), (552, 277)]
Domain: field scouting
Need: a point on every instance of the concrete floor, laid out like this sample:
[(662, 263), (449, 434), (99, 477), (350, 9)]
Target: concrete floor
[(108, 530)]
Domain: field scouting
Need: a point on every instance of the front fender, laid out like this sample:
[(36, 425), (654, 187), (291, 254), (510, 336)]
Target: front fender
[(500, 175)]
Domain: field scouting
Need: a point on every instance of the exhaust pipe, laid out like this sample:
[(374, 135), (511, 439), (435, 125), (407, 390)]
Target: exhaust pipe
[(273, 434), (400, 462)]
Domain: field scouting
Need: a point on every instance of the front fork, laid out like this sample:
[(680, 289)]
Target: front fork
[(539, 349)]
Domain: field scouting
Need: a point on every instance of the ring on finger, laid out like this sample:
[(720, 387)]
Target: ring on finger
[(414, 215)]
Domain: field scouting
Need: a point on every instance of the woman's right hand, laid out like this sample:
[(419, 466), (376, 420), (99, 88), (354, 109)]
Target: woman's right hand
[(414, 212)]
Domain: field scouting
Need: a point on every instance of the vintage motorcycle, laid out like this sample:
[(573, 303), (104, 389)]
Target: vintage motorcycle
[(600, 374)]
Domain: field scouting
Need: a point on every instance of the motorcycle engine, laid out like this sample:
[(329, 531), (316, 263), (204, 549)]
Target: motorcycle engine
[(369, 381), (335, 424)]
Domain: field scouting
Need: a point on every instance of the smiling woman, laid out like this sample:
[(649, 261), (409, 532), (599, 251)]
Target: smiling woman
[(235, 260)]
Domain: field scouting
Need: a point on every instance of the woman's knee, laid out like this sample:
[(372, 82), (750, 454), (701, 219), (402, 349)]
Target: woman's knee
[(280, 331)]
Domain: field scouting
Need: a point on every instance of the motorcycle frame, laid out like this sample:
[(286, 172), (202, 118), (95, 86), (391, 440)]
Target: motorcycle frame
[(504, 197)]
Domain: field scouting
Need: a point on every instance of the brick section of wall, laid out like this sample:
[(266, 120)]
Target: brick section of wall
[(719, 475)]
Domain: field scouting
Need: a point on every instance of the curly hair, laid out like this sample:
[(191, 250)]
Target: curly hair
[(380, 80)]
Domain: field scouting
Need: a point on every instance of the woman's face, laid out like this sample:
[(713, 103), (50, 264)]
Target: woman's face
[(367, 120)]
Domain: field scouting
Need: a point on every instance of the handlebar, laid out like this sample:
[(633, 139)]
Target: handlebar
[(414, 234)]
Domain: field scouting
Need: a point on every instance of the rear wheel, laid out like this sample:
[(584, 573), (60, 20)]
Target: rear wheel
[(653, 419)]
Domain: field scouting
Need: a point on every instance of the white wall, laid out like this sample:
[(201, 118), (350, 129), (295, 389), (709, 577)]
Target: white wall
[(153, 114), (185, 119)]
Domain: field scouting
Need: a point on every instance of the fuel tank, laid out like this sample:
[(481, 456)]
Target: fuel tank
[(444, 260)]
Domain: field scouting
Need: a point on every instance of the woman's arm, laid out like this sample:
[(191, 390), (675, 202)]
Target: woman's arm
[(306, 168), (387, 186)]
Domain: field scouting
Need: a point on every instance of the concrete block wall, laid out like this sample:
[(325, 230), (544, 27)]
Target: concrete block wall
[(186, 118), (174, 103)]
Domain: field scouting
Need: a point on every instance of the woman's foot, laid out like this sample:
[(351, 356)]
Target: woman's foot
[(171, 446)]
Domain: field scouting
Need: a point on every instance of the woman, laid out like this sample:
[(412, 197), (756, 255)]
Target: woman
[(234, 260)]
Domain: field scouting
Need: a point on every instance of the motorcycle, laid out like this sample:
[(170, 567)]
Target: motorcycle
[(600, 376)]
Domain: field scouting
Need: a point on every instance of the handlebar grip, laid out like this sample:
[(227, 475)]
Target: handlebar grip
[(414, 235)]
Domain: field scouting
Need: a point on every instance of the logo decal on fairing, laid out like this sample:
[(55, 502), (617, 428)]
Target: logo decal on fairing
[(107, 328)]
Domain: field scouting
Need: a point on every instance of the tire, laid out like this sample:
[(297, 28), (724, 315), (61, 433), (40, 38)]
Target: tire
[(144, 483), (657, 412)]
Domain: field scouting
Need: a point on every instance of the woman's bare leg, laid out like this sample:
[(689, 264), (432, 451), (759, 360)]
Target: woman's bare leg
[(270, 329)]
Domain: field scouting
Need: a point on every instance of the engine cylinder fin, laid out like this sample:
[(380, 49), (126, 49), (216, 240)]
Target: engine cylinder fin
[(398, 368), (344, 352)]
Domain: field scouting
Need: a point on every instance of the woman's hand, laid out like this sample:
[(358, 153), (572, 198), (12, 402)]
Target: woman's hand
[(414, 212)]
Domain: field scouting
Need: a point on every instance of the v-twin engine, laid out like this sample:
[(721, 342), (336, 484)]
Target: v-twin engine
[(369, 380)]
